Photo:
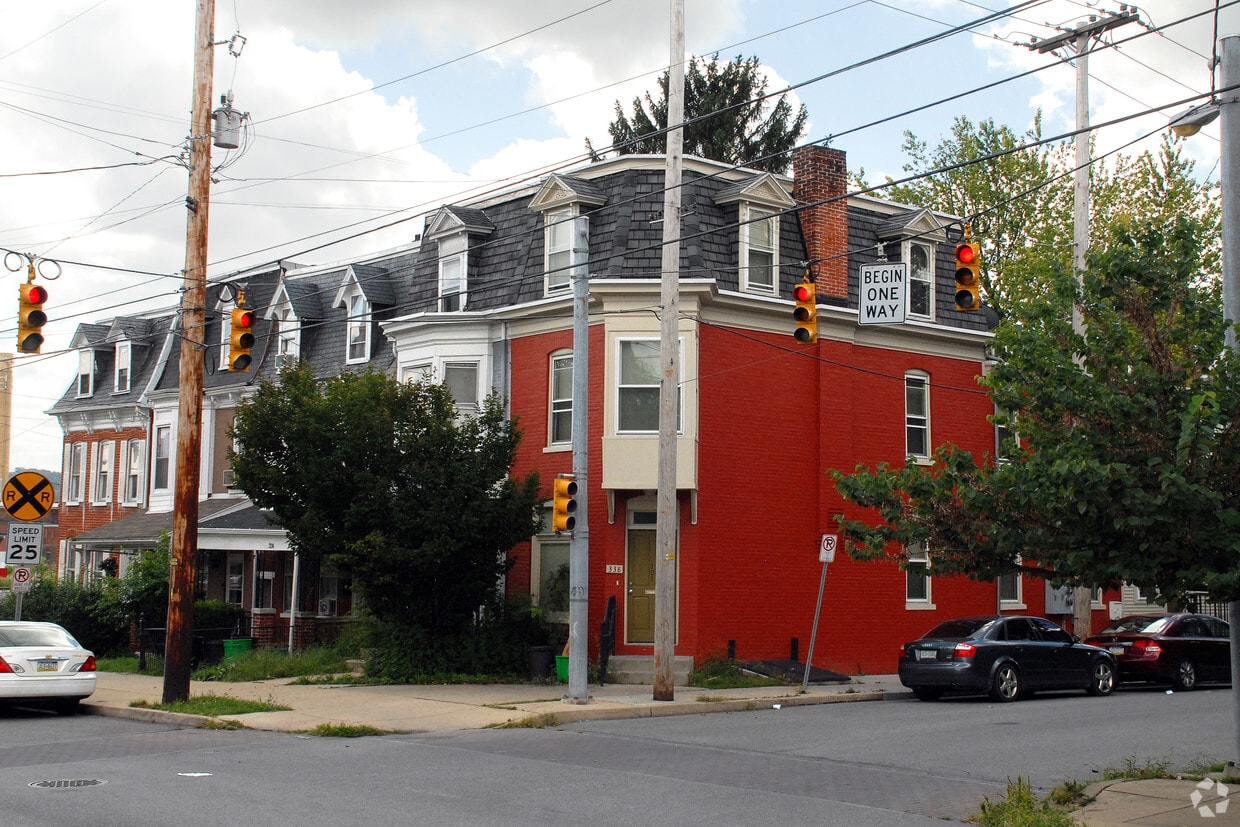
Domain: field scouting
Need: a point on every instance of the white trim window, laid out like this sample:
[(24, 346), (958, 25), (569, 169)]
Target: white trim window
[(225, 335), (104, 462), (462, 381), (86, 373), (920, 258), (917, 578), (567, 248), (561, 386), (358, 328), (638, 377), (75, 467), (917, 415), (163, 457), (759, 250), (133, 461), (453, 272), (124, 365), (1010, 589), (289, 338)]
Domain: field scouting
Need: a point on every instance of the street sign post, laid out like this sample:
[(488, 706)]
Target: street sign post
[(826, 556), (884, 293)]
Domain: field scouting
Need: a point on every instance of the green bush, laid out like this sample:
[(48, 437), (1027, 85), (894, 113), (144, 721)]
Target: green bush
[(1021, 808), (497, 646), (93, 614)]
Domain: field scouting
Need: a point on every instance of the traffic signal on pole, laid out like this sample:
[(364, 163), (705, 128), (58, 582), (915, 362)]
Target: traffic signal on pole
[(968, 276), (806, 311), (31, 317), (564, 503), (241, 339)]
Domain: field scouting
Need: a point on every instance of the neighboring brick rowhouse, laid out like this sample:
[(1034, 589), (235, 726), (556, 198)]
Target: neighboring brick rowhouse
[(819, 175)]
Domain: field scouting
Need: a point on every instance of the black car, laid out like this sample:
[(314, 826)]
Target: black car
[(1004, 656), (1178, 649)]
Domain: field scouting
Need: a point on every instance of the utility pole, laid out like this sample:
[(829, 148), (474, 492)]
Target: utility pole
[(669, 386), (179, 640), (1078, 40), (579, 544)]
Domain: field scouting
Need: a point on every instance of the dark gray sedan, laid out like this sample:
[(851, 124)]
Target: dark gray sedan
[(1004, 656)]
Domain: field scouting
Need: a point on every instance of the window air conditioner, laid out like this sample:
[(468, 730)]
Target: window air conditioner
[(229, 477), (327, 606)]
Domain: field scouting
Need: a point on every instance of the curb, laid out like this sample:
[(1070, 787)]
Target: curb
[(150, 716)]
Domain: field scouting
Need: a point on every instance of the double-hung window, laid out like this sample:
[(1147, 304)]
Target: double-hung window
[(567, 248), (917, 415), (75, 464), (917, 576), (289, 331), (462, 381), (920, 279), (105, 456), (358, 328), (134, 469), (637, 392), (124, 361), (561, 399), (86, 372), (163, 456), (759, 251)]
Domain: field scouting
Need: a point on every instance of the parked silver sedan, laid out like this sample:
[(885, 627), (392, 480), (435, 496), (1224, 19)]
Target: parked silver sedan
[(42, 663)]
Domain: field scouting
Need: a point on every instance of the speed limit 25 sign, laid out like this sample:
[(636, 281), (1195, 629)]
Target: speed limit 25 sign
[(25, 545)]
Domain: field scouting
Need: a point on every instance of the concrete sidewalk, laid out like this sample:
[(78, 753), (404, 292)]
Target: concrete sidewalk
[(443, 708)]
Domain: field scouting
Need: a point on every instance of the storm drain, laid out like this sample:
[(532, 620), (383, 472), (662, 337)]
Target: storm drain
[(65, 784)]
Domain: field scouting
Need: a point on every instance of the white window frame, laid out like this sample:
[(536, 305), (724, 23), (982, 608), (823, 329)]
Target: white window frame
[(86, 373), (914, 421), (234, 579), (103, 461), (920, 278), (622, 386), (452, 278), (566, 248), (1015, 599), (357, 328), (750, 217), (225, 334), (75, 473), (917, 571), (162, 456), (468, 405), (560, 406), (133, 461), (289, 338), (123, 371)]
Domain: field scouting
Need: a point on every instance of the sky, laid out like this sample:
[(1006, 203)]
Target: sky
[(364, 117)]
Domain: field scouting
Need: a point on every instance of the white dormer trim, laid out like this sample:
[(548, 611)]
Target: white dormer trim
[(764, 190), (287, 326), (556, 192), (924, 226)]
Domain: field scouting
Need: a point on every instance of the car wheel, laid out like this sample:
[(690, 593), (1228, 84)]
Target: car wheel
[(1005, 687), (926, 694), (1185, 677), (1101, 679)]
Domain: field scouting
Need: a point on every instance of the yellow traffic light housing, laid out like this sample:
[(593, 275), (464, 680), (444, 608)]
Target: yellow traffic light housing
[(564, 503), (30, 317), (968, 275), (241, 339), (805, 295)]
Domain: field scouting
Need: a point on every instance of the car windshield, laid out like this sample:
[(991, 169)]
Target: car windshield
[(1144, 625), (963, 628), (36, 636)]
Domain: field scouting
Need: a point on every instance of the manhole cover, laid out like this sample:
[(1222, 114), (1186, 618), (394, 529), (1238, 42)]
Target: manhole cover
[(68, 783)]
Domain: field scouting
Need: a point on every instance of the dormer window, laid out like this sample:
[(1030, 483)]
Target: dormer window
[(86, 373), (123, 355), (453, 266), (225, 334), (567, 248), (289, 332), (920, 258), (759, 250), (358, 328)]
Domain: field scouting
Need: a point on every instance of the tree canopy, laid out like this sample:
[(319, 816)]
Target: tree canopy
[(728, 117), (385, 481), (1128, 461)]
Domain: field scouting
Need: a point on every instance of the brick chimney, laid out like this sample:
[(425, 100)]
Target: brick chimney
[(820, 181)]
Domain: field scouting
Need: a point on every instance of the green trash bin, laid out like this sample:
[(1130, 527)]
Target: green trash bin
[(240, 646), (561, 668)]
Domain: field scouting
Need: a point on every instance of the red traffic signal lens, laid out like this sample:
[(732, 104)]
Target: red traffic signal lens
[(965, 254), (244, 319), (801, 293), (35, 294)]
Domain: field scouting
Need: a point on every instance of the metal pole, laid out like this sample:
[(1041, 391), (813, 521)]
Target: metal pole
[(177, 654), (579, 543), (1229, 55), (813, 635), (669, 387), (295, 599)]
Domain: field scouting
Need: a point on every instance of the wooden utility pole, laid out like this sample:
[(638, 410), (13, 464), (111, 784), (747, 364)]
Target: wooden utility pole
[(669, 386), (179, 642)]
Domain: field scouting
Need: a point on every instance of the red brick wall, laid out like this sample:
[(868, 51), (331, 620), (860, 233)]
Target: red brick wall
[(78, 519)]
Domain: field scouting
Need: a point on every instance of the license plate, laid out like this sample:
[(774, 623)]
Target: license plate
[(926, 654), (1116, 650), (47, 666)]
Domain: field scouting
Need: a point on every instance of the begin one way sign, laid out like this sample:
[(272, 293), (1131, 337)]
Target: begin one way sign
[(884, 293)]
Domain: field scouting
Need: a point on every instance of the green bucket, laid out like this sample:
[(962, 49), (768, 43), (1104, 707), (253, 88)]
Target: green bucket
[(561, 668), (233, 648)]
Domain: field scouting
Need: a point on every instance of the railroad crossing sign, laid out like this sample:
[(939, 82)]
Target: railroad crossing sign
[(28, 496)]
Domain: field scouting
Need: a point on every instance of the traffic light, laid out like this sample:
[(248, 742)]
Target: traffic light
[(241, 339), (968, 277), (806, 311), (30, 317), (564, 503)]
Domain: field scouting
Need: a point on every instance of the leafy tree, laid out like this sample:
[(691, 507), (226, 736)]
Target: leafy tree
[(728, 117), (1128, 468), (383, 479)]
